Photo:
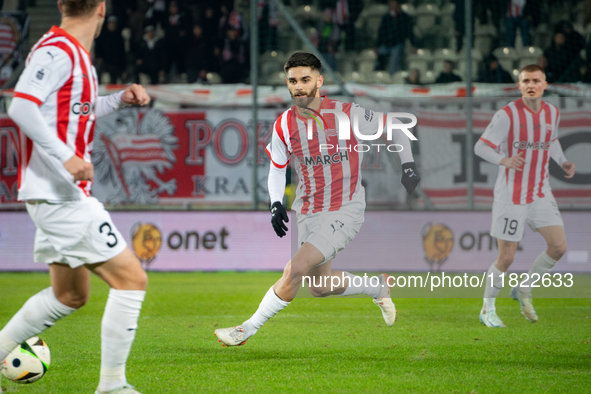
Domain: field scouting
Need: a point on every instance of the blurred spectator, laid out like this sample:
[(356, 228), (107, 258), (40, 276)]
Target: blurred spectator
[(493, 72), (122, 9), (234, 65), (460, 22), (574, 41), (587, 7), (109, 52), (268, 17), (577, 72), (10, 39), (210, 25), (156, 13), (496, 8), (515, 19), (414, 77), (395, 28), (327, 38), (354, 8), (151, 57), (558, 56), (176, 36), (136, 25), (198, 56), (232, 20), (448, 75)]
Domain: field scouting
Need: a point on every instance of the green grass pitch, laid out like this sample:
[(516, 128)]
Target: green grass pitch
[(334, 345)]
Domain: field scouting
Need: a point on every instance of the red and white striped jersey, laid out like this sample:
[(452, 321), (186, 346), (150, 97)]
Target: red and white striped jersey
[(517, 129), (60, 78), (516, 8), (328, 168)]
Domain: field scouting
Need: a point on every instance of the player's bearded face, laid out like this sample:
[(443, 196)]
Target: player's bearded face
[(303, 85)]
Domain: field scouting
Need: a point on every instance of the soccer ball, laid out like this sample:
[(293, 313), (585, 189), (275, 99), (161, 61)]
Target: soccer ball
[(28, 362)]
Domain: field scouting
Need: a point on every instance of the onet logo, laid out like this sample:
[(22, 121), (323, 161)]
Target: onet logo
[(345, 125)]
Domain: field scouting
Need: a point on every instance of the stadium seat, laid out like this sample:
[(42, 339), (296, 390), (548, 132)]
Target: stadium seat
[(346, 61), (445, 54), (419, 60), (409, 9), (446, 15), (542, 36), (507, 57), (307, 15), (366, 61), (277, 79), (214, 78), (382, 77), (484, 36), (428, 77), (355, 76), (531, 52), (399, 77), (426, 16)]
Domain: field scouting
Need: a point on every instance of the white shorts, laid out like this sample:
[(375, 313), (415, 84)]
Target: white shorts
[(508, 220), (74, 232), (328, 232)]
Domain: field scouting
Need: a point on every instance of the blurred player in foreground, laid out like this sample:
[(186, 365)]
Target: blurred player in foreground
[(55, 105), (521, 139), (330, 201)]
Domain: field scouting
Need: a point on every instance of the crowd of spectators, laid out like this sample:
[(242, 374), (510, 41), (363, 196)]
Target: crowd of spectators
[(173, 41)]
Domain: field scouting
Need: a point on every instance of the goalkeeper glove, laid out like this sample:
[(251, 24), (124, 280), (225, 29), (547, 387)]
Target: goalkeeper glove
[(410, 177), (279, 218)]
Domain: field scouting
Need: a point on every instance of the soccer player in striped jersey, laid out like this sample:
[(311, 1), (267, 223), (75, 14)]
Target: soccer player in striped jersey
[(329, 201), (55, 105), (521, 139)]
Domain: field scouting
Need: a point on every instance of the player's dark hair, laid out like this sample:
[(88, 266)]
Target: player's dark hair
[(75, 8), (532, 68), (303, 59)]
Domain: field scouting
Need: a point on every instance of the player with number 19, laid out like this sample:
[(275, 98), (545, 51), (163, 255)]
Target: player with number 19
[(55, 105), (521, 139)]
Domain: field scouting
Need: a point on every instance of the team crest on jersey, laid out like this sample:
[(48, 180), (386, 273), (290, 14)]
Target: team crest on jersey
[(40, 74), (131, 150), (332, 132)]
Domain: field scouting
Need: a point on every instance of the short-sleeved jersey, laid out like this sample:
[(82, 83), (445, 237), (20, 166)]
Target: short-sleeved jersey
[(328, 168), (516, 129), (60, 78)]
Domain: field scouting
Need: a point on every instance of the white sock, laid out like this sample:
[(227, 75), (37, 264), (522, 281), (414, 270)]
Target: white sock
[(269, 307), (118, 332), (360, 286), (37, 314), (542, 265), (492, 287)]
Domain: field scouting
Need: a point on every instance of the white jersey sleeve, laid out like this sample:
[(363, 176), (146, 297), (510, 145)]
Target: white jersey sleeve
[(278, 149), (497, 130), (368, 123), (48, 69)]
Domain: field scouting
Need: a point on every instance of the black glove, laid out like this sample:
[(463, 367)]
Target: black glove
[(410, 177), (279, 218)]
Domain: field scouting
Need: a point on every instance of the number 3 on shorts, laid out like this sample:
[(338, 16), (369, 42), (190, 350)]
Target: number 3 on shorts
[(106, 227), (512, 226)]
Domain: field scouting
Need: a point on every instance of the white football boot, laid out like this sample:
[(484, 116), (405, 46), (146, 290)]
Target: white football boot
[(231, 336), (525, 301), (125, 389), (490, 319), (384, 301)]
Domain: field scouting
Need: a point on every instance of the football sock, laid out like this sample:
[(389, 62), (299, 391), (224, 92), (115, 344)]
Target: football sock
[(542, 265), (118, 332), (360, 285), (493, 287), (37, 314), (269, 307)]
